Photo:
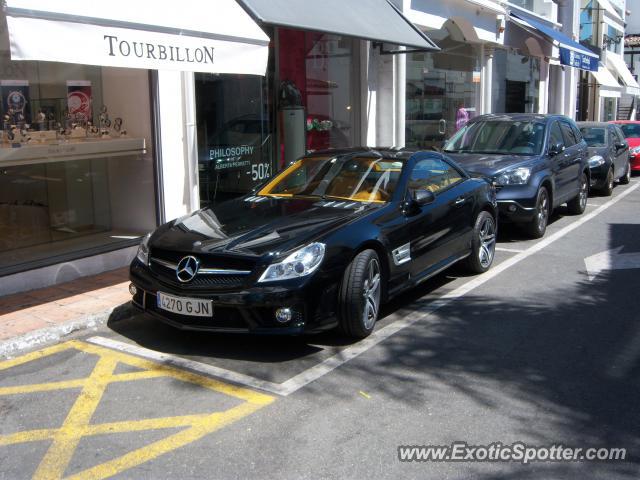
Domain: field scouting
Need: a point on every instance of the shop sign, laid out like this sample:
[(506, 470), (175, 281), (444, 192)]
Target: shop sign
[(578, 60), (231, 158), (122, 47)]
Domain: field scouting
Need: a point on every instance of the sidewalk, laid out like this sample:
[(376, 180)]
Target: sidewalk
[(46, 314)]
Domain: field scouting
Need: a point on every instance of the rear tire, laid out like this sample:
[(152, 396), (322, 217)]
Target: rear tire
[(578, 204), (483, 244), (359, 295), (607, 190), (626, 178), (537, 226)]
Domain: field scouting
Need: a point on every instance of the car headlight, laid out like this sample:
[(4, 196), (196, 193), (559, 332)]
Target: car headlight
[(596, 161), (143, 250), (300, 263), (518, 176), (635, 150)]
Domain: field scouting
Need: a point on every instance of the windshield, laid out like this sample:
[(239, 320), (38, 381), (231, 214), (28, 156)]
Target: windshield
[(631, 130), (595, 136), (361, 179), (498, 137)]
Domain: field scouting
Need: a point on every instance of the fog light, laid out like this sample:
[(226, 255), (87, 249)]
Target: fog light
[(284, 315), (512, 208), (132, 289)]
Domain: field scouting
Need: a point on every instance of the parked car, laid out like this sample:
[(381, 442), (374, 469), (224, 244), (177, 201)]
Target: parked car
[(537, 162), (608, 155), (631, 132), (321, 245)]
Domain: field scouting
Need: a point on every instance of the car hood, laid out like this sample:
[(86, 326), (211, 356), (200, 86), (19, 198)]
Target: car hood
[(488, 164), (255, 226)]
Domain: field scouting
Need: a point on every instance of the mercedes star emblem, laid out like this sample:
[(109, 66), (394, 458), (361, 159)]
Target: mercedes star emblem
[(187, 269)]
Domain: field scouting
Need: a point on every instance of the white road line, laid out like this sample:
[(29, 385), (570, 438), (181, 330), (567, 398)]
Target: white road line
[(594, 204), (175, 361), (304, 378), (512, 250)]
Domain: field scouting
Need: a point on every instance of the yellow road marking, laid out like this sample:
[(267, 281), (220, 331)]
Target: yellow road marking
[(66, 439), (45, 387), (77, 423)]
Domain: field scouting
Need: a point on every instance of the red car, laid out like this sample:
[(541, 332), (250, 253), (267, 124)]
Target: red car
[(631, 131)]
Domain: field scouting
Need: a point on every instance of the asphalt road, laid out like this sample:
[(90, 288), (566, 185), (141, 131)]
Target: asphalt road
[(534, 351)]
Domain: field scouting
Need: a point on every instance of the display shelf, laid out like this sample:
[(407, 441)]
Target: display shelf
[(72, 150)]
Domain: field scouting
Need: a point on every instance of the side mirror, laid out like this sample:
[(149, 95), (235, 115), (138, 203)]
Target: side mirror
[(555, 149), (621, 146), (422, 197)]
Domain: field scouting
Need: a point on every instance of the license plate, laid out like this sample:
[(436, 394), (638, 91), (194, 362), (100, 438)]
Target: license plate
[(185, 306)]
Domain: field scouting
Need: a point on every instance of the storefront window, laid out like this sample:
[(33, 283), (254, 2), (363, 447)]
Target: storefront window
[(317, 97), (613, 39), (589, 25), (235, 135), (443, 92), (76, 175), (608, 109), (516, 83)]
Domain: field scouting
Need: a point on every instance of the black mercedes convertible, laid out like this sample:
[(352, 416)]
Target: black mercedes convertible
[(319, 246)]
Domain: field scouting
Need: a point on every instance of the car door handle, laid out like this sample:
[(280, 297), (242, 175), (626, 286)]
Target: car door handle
[(459, 201)]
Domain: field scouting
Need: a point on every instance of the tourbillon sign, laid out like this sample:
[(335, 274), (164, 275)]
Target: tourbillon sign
[(213, 37), (171, 53)]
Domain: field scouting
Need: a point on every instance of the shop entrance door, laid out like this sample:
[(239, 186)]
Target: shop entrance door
[(516, 97)]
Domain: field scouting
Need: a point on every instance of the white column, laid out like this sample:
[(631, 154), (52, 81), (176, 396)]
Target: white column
[(400, 89), (569, 17), (385, 100), (543, 87), (176, 165), (487, 79), (191, 139), (556, 83)]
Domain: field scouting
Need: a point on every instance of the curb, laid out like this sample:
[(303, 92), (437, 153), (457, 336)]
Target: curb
[(52, 334)]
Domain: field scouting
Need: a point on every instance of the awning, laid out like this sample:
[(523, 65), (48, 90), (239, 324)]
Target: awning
[(216, 36), (376, 20), (616, 64), (611, 17), (571, 53), (608, 85)]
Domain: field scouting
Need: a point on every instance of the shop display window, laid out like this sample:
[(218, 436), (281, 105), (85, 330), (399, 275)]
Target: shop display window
[(235, 135), (76, 174), (442, 91), (317, 99), (516, 83)]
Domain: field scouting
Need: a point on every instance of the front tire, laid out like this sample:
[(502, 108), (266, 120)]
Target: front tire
[(537, 226), (359, 295), (626, 178), (483, 244), (578, 204), (607, 190)]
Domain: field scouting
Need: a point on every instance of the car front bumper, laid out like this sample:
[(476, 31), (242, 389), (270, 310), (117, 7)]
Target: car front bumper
[(634, 160), (598, 176), (517, 203), (245, 310)]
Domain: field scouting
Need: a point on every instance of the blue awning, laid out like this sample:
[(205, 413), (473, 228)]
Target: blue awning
[(572, 53)]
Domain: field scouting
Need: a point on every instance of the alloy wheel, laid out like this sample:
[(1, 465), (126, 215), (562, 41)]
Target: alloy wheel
[(543, 210), (371, 293), (487, 242), (584, 191)]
